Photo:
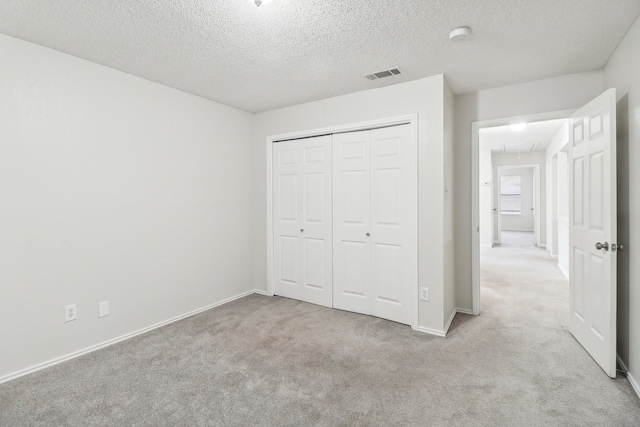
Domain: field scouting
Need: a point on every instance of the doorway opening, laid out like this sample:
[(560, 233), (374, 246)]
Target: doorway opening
[(516, 190), (589, 136)]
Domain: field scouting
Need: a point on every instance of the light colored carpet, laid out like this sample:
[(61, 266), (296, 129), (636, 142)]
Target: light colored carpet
[(269, 361), (517, 238)]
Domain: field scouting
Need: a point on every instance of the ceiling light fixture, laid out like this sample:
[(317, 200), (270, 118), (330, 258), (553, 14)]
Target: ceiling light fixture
[(460, 33), (517, 127), (260, 2)]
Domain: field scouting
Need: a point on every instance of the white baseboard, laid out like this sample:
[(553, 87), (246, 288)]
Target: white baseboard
[(634, 384), (448, 325), (486, 245), (431, 331), (564, 273), (261, 292), (444, 332), (124, 337)]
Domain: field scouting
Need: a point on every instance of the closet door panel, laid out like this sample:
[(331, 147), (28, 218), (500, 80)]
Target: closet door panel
[(393, 223), (351, 220), (387, 272), (287, 161), (316, 208)]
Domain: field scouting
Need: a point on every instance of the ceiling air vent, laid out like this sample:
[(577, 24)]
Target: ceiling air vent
[(382, 74)]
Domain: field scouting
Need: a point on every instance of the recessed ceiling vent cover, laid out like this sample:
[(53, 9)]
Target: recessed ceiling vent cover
[(382, 74)]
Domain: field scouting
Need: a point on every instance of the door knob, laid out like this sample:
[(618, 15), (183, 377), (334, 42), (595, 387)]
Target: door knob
[(604, 246), (302, 230), (367, 234)]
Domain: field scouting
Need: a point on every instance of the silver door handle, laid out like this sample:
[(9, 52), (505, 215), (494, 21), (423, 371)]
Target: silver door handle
[(617, 246), (367, 234), (604, 246), (302, 230)]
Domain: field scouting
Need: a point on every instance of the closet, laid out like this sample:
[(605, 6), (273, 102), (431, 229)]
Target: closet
[(345, 221)]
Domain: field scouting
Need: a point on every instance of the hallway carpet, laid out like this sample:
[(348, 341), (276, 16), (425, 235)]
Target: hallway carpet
[(270, 361)]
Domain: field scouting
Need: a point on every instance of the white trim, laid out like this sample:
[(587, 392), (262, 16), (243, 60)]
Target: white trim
[(347, 127), (564, 273), (261, 292), (537, 218), (124, 337), (475, 214), (634, 384), (447, 326), (409, 119), (269, 179), (429, 331)]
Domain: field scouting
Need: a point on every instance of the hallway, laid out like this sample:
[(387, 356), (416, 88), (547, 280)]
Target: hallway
[(522, 285)]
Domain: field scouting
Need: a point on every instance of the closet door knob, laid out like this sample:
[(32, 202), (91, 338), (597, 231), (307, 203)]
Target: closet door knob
[(367, 234), (604, 246), (302, 230)]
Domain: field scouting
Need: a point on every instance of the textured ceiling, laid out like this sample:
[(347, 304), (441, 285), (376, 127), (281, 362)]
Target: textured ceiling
[(293, 51), (501, 138)]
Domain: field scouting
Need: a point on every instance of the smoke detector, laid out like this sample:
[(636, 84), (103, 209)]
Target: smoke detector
[(382, 74), (459, 34)]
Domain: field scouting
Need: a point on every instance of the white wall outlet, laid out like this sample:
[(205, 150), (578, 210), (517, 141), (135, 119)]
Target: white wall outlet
[(103, 308), (70, 312), (424, 294)]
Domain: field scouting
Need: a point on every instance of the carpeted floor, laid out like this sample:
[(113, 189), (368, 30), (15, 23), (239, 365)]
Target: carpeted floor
[(269, 361)]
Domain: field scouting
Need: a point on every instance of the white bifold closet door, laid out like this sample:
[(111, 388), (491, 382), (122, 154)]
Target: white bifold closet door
[(302, 220), (375, 222)]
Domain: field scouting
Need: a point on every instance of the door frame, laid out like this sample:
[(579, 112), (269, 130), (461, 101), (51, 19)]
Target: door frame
[(475, 186), (408, 119), (537, 223)]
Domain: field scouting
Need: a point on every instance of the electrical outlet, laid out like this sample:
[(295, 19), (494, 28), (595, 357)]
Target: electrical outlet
[(103, 308), (70, 312), (424, 294)]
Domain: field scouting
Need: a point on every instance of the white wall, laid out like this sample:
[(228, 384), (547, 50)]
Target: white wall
[(425, 97), (542, 96), (449, 230), (524, 220), (113, 188), (557, 195), (552, 206), (622, 72), (557, 143)]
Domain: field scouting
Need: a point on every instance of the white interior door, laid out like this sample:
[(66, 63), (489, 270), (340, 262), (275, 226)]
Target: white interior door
[(352, 221), (302, 220), (317, 234), (592, 229), (393, 217), (287, 219)]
